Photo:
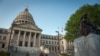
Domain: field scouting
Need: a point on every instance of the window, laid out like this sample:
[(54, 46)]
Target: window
[(26, 43), (46, 42), (58, 48), (52, 48), (49, 42), (31, 44), (22, 34), (55, 49), (1, 31), (52, 42), (20, 43), (16, 32), (37, 35), (27, 34), (32, 35), (55, 42), (58, 43), (4, 38), (22, 21), (0, 38), (3, 45), (5, 31)]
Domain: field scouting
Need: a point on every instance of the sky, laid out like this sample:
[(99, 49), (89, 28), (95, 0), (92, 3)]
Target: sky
[(49, 15)]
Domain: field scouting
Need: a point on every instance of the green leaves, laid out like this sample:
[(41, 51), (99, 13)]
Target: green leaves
[(72, 26)]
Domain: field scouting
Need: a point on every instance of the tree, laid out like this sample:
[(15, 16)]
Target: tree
[(72, 25)]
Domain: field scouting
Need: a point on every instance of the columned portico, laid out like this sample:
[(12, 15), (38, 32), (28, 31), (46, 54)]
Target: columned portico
[(26, 38)]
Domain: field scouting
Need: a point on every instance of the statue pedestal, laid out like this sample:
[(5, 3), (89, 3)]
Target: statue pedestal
[(87, 45)]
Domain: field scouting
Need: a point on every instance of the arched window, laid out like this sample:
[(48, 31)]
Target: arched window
[(19, 21), (25, 21)]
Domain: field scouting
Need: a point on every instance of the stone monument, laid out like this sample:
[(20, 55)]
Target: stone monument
[(88, 44)]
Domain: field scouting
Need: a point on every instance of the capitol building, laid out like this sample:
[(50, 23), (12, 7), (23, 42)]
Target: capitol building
[(25, 33)]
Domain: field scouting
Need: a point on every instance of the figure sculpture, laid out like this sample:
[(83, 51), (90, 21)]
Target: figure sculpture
[(86, 26), (87, 44)]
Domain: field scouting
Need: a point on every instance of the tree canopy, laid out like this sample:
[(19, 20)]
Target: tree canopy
[(72, 25)]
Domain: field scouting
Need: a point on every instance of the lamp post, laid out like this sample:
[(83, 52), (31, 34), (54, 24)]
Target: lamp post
[(58, 41)]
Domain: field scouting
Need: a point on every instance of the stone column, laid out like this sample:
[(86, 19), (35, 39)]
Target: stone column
[(39, 40), (29, 40), (34, 39), (24, 39), (12, 35), (53, 48), (18, 38)]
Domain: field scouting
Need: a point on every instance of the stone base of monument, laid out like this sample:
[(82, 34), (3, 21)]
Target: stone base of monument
[(25, 54), (24, 51), (27, 51), (87, 45)]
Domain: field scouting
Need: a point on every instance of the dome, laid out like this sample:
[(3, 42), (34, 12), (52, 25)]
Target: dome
[(24, 17), (25, 20)]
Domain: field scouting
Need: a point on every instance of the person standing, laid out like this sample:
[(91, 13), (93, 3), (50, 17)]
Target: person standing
[(41, 54)]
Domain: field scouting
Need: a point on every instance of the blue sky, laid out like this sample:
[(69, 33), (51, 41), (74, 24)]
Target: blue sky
[(49, 15)]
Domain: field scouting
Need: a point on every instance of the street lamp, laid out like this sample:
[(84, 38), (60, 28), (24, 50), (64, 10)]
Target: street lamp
[(58, 41)]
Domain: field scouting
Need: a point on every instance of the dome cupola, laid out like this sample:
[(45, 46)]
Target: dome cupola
[(24, 18)]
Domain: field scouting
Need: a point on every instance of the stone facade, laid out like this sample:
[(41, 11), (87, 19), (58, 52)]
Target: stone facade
[(51, 42), (4, 39)]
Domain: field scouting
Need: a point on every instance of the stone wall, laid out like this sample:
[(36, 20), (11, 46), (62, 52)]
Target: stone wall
[(24, 51)]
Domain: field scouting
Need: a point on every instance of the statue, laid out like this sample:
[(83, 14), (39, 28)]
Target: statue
[(86, 26), (88, 43)]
